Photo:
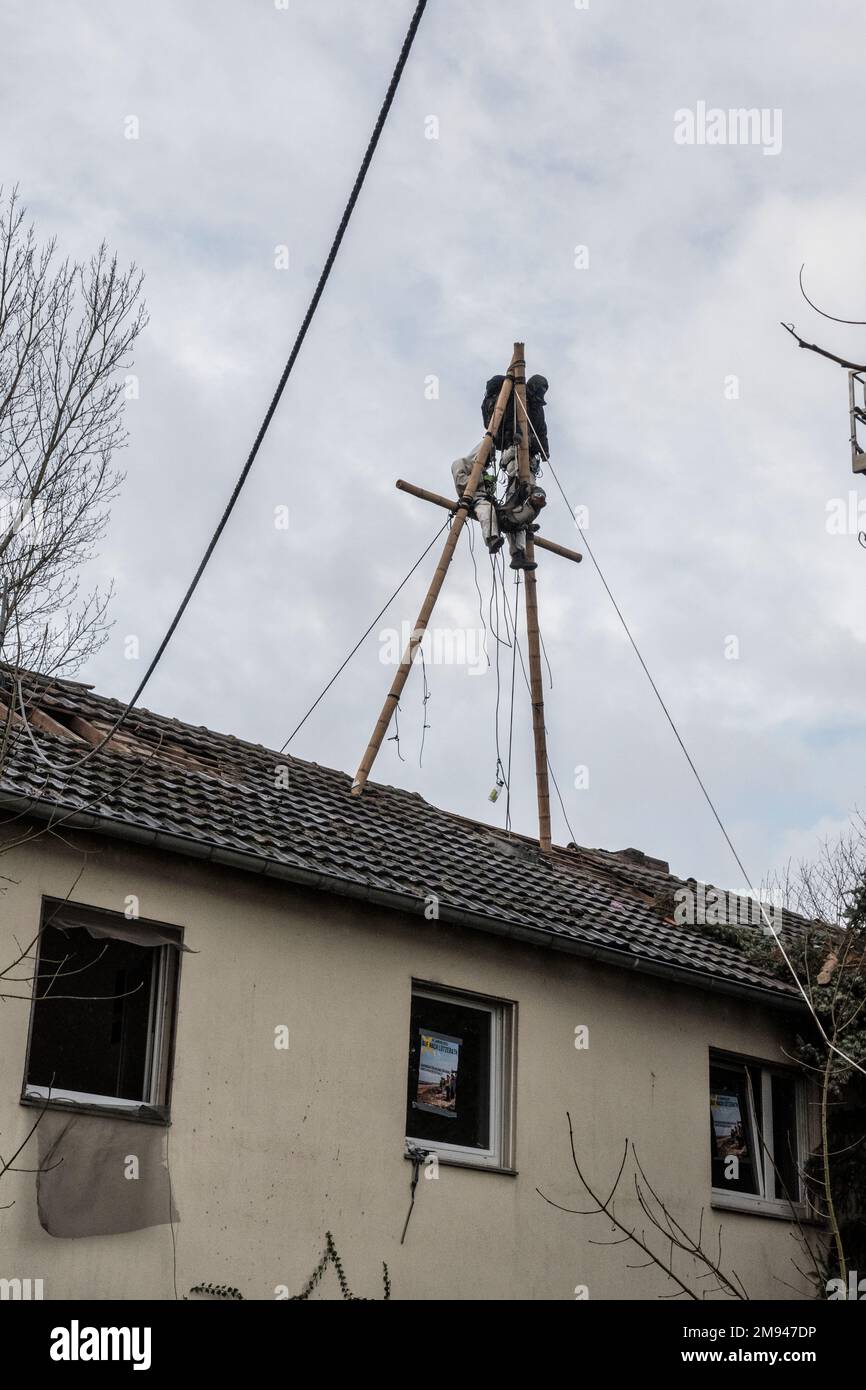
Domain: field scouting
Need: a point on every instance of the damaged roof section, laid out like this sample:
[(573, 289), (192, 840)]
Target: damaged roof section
[(209, 795)]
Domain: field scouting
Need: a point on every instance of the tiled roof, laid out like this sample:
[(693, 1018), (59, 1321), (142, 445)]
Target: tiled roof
[(210, 795)]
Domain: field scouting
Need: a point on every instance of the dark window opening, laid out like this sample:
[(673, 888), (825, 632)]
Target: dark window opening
[(102, 1011), (754, 1135), (449, 1099), (90, 1028)]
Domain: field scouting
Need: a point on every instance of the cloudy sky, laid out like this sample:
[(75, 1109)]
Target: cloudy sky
[(706, 447)]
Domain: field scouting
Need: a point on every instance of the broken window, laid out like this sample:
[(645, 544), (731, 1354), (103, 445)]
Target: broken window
[(459, 1100), (756, 1134), (103, 1010)]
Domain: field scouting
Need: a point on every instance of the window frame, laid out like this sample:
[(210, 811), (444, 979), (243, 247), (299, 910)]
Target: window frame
[(155, 1106), (499, 1154), (797, 1208)]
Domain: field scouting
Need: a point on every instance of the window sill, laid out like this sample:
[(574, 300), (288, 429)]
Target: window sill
[(451, 1162), (143, 1114), (749, 1205)]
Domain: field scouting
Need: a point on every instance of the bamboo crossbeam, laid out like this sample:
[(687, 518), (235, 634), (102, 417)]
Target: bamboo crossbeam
[(451, 504), (399, 681)]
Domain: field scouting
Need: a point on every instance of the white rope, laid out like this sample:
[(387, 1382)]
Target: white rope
[(832, 1046)]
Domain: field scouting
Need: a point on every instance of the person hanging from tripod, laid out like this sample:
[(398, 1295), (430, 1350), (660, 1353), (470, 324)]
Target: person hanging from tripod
[(483, 505), (516, 513)]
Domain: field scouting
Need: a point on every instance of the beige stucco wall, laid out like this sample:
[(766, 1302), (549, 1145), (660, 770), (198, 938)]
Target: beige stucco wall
[(268, 1148)]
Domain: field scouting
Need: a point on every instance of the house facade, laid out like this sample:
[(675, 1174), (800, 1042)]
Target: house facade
[(263, 1008)]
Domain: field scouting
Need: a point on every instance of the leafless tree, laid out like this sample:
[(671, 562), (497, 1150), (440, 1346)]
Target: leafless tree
[(834, 318), (820, 888), (692, 1261), (66, 334), (67, 330), (684, 1259)]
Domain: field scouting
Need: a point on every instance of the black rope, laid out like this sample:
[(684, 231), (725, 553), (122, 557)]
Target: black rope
[(417, 1156), (395, 737), (287, 370), (382, 611)]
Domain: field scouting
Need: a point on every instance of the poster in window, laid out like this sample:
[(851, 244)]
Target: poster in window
[(729, 1125), (439, 1061)]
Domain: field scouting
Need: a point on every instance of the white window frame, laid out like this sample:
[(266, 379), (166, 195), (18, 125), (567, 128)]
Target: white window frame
[(503, 1014), (156, 1057), (760, 1203)]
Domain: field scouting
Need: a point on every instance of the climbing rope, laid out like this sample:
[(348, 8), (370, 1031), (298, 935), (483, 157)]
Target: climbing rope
[(688, 757), (382, 611)]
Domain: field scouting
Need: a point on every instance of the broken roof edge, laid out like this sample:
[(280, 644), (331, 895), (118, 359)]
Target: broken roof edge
[(788, 1000)]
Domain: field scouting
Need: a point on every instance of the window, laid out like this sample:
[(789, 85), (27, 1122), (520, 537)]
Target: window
[(101, 1025), (461, 1070), (757, 1136)]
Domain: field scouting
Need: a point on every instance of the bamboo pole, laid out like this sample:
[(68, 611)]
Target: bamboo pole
[(533, 640), (448, 502), (429, 603)]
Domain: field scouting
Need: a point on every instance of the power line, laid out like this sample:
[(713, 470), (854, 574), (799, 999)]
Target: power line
[(287, 370)]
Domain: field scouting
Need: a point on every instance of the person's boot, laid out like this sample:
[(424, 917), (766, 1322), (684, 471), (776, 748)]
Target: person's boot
[(494, 544), (520, 562)]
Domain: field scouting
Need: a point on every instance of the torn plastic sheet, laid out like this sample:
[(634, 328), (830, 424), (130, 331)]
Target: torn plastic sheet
[(101, 1176), (69, 917)]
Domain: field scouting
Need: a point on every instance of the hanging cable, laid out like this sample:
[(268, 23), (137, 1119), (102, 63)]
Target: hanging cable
[(546, 659), (519, 651), (688, 757), (395, 737), (500, 778), (513, 676), (478, 589), (425, 696), (287, 370)]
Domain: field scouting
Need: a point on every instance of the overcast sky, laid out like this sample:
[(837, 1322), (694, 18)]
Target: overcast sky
[(705, 445)]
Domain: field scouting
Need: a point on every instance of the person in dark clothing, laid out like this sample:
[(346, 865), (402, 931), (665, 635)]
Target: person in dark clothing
[(536, 390), (505, 433)]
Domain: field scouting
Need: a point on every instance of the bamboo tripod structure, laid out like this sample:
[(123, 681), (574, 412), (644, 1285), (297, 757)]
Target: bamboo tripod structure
[(533, 641), (516, 376)]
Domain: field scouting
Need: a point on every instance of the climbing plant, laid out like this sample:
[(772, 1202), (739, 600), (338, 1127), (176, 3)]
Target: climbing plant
[(330, 1256)]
